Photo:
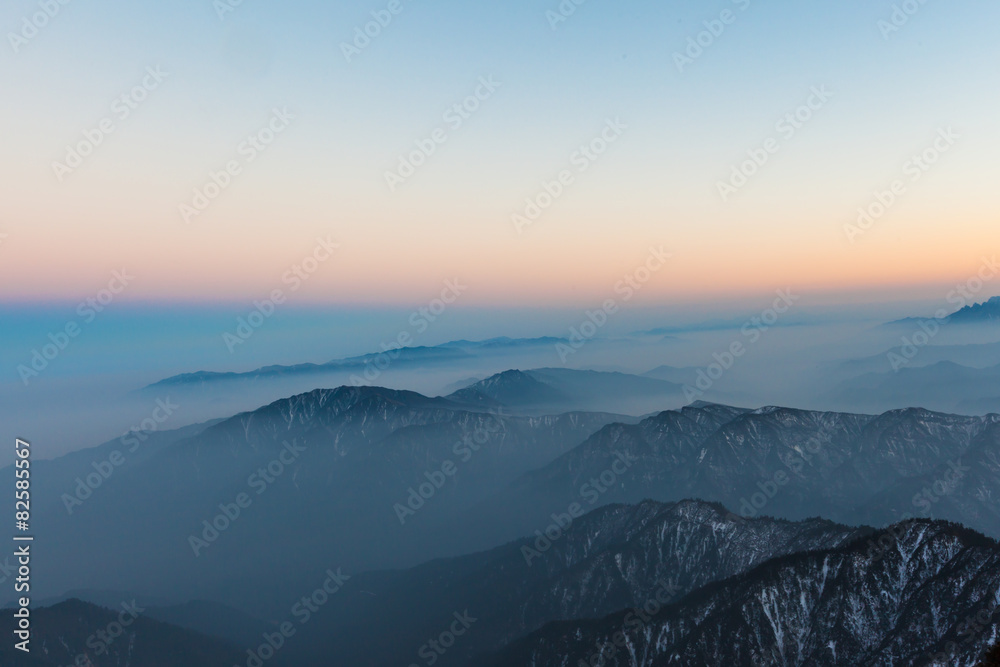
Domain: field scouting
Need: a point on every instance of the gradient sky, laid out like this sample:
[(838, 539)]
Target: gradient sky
[(656, 185)]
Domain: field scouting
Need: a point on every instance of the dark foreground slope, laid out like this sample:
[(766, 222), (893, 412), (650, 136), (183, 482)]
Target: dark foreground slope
[(79, 633), (614, 558), (919, 593)]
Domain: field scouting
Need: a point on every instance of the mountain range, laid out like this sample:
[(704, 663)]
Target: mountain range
[(944, 385), (414, 356), (783, 462), (687, 583), (82, 634), (929, 597), (561, 389), (403, 499), (347, 463), (986, 312), (613, 558)]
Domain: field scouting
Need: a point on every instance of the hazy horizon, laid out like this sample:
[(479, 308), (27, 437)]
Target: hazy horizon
[(536, 333)]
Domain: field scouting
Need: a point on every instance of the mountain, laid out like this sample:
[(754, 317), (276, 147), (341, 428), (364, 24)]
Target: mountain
[(562, 389), (257, 510), (79, 633), (511, 388), (353, 477), (944, 385), (459, 351), (201, 616), (407, 357), (918, 593), (613, 558), (504, 342), (673, 374), (431, 370), (978, 355), (987, 312), (779, 461), (215, 620)]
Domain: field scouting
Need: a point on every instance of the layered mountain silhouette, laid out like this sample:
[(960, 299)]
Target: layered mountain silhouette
[(79, 633), (980, 313), (561, 389), (384, 478), (944, 385), (986, 312), (352, 477), (640, 585), (777, 461), (414, 357), (614, 558), (239, 518), (918, 593)]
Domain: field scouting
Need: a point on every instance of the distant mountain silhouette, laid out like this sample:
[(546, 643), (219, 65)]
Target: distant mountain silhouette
[(943, 386), (564, 389), (68, 634), (406, 357), (987, 312)]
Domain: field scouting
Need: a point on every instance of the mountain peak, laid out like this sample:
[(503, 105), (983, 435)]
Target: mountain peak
[(512, 386), (987, 311), (329, 403)]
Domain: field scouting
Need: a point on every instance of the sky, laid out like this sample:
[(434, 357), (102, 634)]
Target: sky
[(310, 210)]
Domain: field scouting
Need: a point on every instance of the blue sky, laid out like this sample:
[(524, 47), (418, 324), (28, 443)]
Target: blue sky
[(353, 120)]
